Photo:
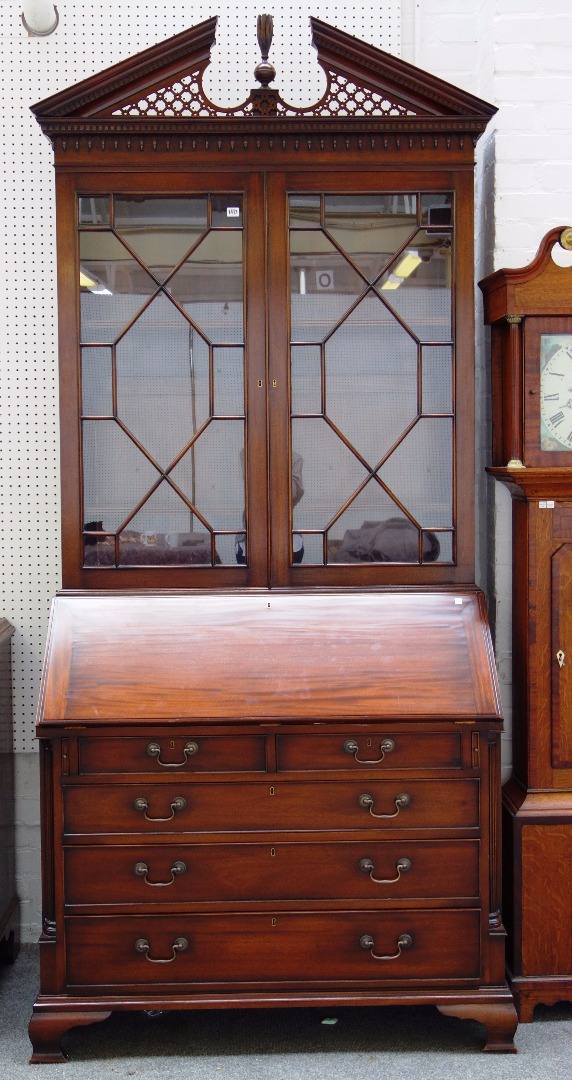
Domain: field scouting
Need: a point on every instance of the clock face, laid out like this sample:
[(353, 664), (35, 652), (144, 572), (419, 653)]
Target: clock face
[(556, 392)]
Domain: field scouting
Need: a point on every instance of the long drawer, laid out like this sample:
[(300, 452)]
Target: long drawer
[(368, 947), (204, 873), (187, 807)]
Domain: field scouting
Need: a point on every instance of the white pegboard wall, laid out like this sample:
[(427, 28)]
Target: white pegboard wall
[(89, 38)]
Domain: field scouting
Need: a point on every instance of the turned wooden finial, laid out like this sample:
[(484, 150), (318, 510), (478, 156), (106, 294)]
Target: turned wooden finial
[(264, 72)]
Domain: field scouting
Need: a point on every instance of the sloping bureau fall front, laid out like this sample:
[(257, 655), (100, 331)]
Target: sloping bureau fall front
[(270, 799)]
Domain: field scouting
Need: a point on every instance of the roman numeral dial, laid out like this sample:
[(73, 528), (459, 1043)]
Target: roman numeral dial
[(556, 392)]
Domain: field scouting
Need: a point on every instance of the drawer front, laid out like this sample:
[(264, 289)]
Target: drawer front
[(205, 873), (252, 807), (321, 949), (173, 754), (384, 750)]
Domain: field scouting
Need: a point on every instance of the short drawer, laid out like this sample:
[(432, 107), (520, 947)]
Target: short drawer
[(296, 949), (384, 750), (260, 807), (204, 873), (175, 754)]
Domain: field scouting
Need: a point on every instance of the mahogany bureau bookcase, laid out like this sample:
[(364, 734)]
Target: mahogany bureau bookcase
[(269, 716)]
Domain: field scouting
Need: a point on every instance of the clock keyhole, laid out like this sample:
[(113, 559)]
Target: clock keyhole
[(560, 657)]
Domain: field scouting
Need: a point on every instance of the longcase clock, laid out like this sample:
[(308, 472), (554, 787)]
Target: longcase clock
[(530, 310)]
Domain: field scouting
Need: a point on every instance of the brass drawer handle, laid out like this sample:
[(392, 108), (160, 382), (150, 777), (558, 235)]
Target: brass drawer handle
[(180, 944), (400, 803), (402, 866), (386, 747), (404, 941), (142, 806), (141, 870), (154, 751)]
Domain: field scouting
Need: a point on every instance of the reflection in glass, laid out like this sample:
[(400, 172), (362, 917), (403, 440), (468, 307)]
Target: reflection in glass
[(445, 539), (94, 210), (160, 230), (228, 376), (96, 382), (210, 475), (437, 378), (162, 380), (226, 211), (417, 285), (209, 287), (165, 532), (381, 377), (304, 211), (371, 228), (437, 208), (371, 379), (420, 472), (306, 379), (114, 287), (116, 475), (332, 473)]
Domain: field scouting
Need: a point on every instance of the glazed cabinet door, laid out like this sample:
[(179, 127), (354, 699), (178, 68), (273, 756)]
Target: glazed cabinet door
[(259, 379), (167, 465)]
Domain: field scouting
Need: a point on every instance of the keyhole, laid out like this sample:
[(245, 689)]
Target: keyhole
[(560, 657)]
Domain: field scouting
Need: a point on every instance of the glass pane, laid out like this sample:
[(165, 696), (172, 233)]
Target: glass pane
[(226, 211), (437, 208), (371, 228), (308, 548), (94, 210), (444, 552), (228, 374), (420, 473), (209, 287), (418, 286), (304, 211), (437, 376), (116, 475), (323, 286), (162, 380), (331, 473), (165, 532), (371, 379), (160, 230), (306, 380), (113, 287), (96, 382), (211, 474), (374, 529)]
